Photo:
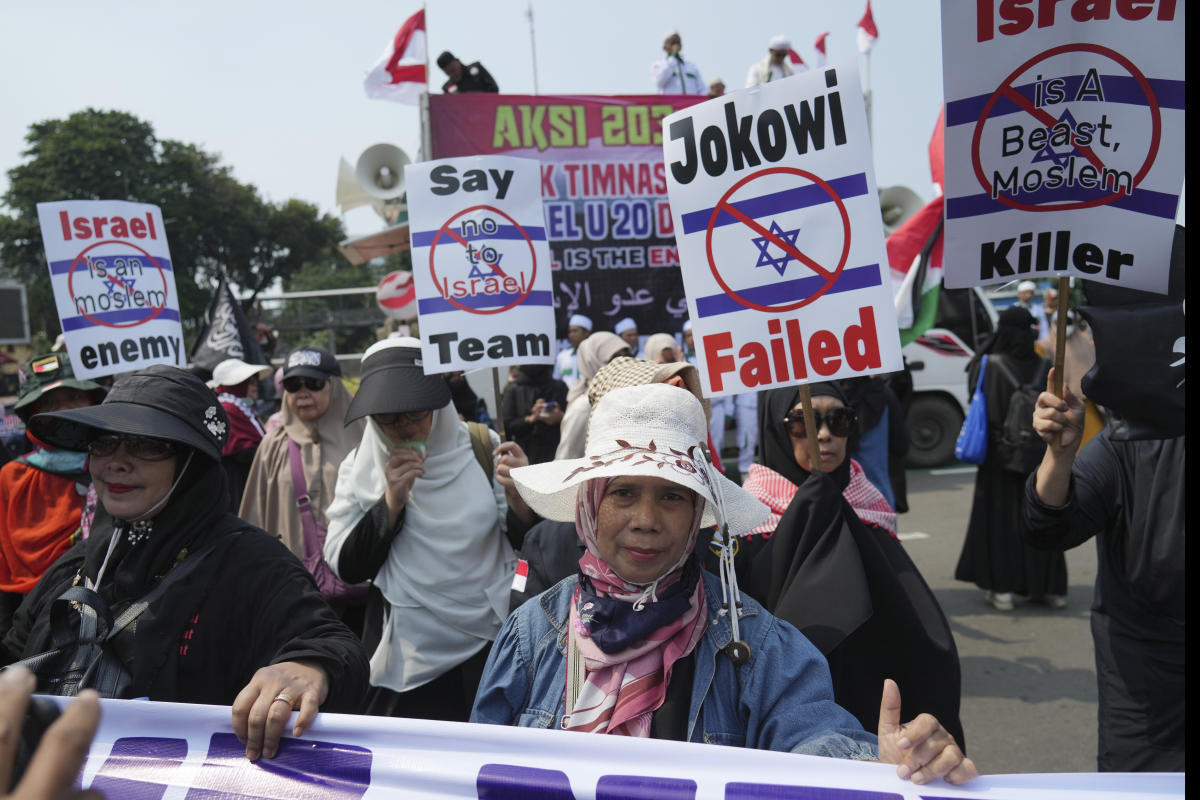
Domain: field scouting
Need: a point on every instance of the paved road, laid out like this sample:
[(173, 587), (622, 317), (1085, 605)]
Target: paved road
[(1029, 681)]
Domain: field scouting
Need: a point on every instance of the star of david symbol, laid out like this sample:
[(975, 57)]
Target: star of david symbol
[(1048, 153), (765, 259)]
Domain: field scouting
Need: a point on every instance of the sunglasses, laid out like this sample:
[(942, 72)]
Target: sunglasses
[(142, 447), (296, 383), (392, 419), (841, 422)]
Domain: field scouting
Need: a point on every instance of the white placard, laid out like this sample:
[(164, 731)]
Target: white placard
[(481, 263), (114, 285), (780, 237), (1064, 140)]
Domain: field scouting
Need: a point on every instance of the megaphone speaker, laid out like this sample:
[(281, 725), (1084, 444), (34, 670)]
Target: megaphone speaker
[(380, 171)]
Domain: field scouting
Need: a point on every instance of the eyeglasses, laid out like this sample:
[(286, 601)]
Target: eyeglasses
[(841, 422), (142, 447), (296, 382), (392, 419)]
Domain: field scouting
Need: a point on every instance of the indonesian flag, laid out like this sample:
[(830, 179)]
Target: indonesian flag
[(400, 74), (820, 47), (867, 32), (797, 62)]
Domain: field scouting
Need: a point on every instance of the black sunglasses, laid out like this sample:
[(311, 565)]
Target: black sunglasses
[(296, 382), (392, 419), (841, 422), (142, 447)]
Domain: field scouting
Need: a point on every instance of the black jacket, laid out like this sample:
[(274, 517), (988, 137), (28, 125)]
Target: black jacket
[(475, 78)]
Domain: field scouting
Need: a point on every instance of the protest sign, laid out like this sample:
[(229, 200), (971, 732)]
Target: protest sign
[(480, 263), (149, 749), (114, 285), (780, 237), (1064, 140), (608, 223)]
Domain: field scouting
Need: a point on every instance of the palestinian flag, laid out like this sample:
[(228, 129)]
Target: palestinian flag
[(915, 257), (915, 253)]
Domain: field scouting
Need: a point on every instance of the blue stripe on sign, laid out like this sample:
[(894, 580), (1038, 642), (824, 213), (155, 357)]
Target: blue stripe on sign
[(436, 305), (63, 267), (536, 234), (117, 317), (1143, 201), (1117, 89), (787, 200), (789, 291)]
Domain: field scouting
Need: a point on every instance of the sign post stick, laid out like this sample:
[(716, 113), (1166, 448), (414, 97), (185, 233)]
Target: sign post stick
[(496, 392), (810, 427), (1060, 346)]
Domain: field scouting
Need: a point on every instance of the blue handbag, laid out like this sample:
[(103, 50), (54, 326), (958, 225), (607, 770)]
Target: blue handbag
[(972, 442)]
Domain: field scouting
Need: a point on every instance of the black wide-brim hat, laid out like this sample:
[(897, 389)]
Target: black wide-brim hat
[(161, 401), (394, 381)]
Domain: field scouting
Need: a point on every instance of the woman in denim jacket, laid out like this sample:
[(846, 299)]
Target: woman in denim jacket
[(641, 643)]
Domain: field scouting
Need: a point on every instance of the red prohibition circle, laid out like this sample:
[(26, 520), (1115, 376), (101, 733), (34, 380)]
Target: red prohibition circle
[(445, 229), (712, 220), (1155, 122), (153, 260)]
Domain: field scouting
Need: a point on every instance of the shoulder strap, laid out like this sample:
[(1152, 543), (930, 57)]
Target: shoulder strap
[(312, 542), (1009, 374), (481, 442), (982, 369)]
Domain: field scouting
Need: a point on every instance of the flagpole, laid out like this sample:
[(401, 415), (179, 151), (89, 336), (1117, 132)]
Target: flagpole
[(532, 45), (423, 103), (867, 75)]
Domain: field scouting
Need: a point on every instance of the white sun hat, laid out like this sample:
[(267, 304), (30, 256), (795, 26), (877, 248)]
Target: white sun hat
[(654, 430), (233, 371)]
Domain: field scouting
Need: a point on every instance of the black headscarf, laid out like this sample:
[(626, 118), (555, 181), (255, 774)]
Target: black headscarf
[(1015, 336), (535, 374), (776, 443)]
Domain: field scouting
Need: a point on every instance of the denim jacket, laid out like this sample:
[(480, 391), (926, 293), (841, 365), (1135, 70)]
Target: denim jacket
[(780, 699)]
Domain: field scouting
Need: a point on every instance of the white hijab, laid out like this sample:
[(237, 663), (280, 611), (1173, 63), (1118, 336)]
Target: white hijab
[(449, 570)]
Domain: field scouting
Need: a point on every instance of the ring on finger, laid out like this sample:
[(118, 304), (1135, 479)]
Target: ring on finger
[(283, 696)]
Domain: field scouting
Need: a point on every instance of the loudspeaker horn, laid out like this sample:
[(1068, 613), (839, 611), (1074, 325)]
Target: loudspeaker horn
[(349, 193), (897, 204), (380, 171)]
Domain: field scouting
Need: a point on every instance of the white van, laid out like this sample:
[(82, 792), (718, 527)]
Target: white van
[(937, 361)]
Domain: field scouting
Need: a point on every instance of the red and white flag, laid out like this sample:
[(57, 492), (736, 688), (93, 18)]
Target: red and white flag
[(797, 62), (820, 48), (867, 32), (400, 74)]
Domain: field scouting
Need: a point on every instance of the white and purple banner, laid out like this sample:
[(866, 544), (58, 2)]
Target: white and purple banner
[(162, 751), (1064, 140)]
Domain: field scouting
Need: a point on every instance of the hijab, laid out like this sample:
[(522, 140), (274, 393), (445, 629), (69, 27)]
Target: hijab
[(656, 343), (593, 353), (447, 574), (628, 635), (1015, 337), (776, 442)]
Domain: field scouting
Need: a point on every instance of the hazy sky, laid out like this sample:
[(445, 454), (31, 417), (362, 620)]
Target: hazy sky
[(275, 88)]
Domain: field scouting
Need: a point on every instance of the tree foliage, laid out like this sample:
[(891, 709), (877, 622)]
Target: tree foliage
[(213, 221)]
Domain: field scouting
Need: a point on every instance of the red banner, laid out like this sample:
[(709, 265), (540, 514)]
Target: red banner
[(612, 241)]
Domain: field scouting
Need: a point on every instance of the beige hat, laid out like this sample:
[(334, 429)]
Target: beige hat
[(653, 430), (233, 371)]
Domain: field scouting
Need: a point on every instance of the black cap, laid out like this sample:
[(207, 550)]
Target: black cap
[(445, 58), (394, 380), (311, 362), (160, 401)]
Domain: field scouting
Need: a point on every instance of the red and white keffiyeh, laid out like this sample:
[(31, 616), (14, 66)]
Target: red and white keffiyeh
[(777, 492)]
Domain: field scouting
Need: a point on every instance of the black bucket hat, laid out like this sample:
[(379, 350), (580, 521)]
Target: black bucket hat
[(48, 372), (311, 362), (394, 380), (160, 401)]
